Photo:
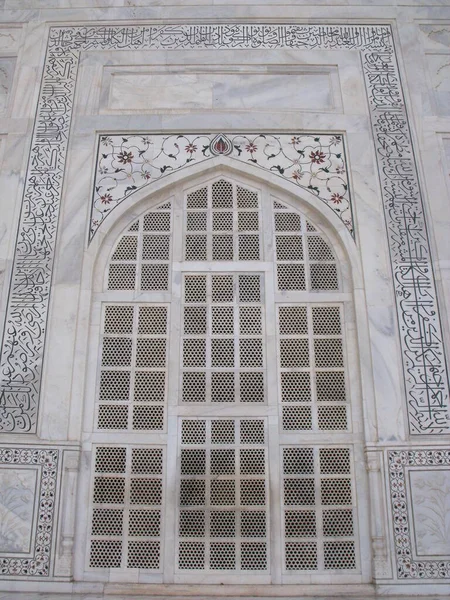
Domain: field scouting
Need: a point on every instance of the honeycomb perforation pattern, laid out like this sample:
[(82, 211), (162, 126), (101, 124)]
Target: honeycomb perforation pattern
[(140, 260), (222, 495), (223, 499), (222, 347), (127, 500), (318, 509), (304, 259), (222, 223), (311, 368), (132, 379)]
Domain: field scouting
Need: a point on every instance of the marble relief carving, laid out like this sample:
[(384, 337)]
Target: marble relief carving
[(126, 163), (419, 487), (425, 375), (17, 489), (430, 496), (23, 517)]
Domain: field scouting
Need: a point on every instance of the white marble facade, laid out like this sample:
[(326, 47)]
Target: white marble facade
[(336, 111)]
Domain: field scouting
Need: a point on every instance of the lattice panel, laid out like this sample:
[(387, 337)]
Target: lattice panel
[(141, 258), (223, 496), (318, 509), (127, 500), (222, 353), (222, 223), (133, 375), (304, 259), (221, 520), (311, 368)]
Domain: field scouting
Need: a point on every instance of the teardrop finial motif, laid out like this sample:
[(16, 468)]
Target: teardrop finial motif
[(221, 145)]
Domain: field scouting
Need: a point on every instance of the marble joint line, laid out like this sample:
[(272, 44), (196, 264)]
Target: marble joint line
[(37, 563), (400, 462), (127, 163), (423, 356)]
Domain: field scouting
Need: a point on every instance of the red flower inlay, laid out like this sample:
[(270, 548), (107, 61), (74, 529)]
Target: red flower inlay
[(220, 146), (297, 175), (317, 157), (251, 147), (337, 198), (106, 198), (191, 148), (125, 157)]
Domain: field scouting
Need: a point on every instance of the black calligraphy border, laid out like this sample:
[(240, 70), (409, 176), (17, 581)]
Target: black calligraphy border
[(423, 356)]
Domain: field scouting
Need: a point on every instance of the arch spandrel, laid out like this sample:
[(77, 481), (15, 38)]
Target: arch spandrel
[(313, 163), (315, 211)]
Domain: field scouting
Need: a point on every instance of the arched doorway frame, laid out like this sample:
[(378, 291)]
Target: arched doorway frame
[(94, 267)]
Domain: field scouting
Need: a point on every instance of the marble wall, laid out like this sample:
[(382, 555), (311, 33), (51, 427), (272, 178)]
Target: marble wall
[(164, 89), (72, 75)]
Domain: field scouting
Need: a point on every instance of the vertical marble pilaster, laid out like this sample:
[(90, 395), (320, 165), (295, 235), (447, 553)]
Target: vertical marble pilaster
[(380, 545)]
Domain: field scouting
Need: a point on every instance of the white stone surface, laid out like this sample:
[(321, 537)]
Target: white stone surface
[(6, 77), (17, 504), (430, 505), (242, 90), (166, 92)]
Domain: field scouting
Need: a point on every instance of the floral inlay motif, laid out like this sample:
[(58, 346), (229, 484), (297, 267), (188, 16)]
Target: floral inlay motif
[(315, 163)]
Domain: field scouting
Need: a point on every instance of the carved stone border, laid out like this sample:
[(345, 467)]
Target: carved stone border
[(407, 567), (47, 459), (423, 356)]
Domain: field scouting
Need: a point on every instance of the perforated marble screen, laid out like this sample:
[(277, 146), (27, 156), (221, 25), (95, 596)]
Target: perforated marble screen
[(214, 302)]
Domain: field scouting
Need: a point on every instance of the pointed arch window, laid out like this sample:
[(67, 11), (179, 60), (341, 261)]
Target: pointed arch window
[(226, 305)]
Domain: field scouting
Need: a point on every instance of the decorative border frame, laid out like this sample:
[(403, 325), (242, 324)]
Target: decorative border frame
[(47, 459), (423, 356), (398, 460), (127, 163)]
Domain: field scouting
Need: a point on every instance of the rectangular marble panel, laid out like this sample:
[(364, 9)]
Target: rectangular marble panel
[(17, 499), (10, 39), (446, 143), (438, 67), (430, 507), (6, 78), (435, 37), (209, 89)]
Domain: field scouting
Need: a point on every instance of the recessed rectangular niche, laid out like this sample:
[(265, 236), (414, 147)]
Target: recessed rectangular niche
[(176, 89), (17, 506), (446, 146), (7, 66), (438, 67), (430, 507)]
